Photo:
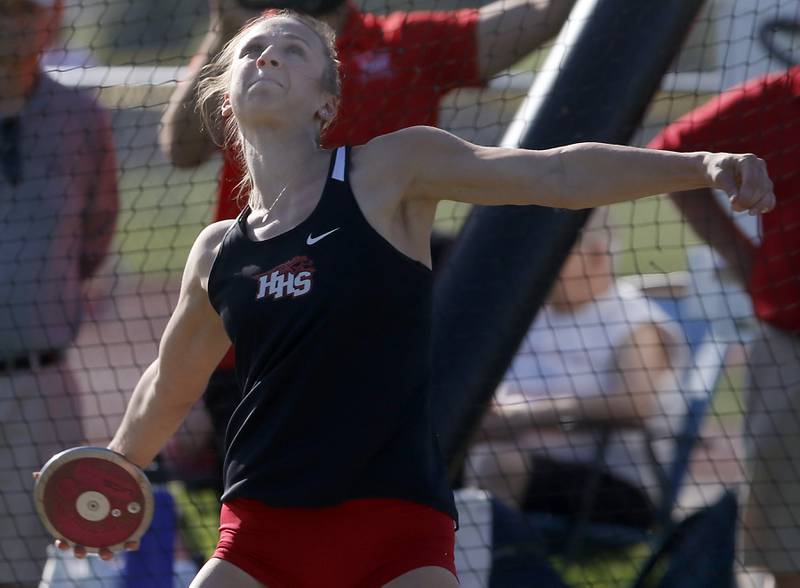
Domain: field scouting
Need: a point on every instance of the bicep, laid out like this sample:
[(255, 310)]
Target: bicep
[(445, 167), (194, 340), (193, 343)]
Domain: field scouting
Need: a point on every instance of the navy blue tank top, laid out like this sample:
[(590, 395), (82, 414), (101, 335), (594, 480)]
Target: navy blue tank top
[(332, 329)]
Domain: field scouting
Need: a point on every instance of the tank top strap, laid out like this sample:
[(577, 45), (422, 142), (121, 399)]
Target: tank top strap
[(339, 167), (241, 218), (337, 197)]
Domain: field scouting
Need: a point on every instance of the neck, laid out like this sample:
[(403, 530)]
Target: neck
[(281, 159), (17, 80)]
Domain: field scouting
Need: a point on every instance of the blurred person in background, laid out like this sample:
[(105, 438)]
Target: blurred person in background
[(395, 70), (598, 357), (761, 116), (58, 205)]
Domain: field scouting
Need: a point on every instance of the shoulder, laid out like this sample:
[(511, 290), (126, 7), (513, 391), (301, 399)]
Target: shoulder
[(205, 249), (71, 99), (406, 145), (423, 29), (430, 19), (401, 156), (75, 110)]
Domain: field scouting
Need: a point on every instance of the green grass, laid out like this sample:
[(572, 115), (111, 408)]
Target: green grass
[(199, 519), (610, 571), (162, 211)]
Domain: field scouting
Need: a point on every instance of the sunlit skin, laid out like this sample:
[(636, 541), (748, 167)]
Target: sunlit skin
[(277, 98), (276, 77)]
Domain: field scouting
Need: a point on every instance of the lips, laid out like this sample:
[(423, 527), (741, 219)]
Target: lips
[(267, 81)]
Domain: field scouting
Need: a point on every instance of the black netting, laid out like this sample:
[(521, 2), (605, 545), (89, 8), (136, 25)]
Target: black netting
[(648, 385)]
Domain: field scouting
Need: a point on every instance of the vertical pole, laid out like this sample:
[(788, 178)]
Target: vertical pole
[(602, 73)]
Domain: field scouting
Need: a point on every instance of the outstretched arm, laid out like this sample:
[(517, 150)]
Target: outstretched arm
[(192, 345), (436, 165)]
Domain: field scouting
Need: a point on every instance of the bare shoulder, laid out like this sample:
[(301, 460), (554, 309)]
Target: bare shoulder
[(401, 149), (205, 249), (401, 156)]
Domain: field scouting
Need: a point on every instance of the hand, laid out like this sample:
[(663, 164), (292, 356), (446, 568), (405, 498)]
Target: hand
[(744, 178), (80, 552)]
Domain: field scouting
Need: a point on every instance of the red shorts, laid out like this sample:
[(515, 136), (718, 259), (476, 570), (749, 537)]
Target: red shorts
[(362, 543)]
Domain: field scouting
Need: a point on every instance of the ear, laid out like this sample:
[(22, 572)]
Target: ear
[(327, 111), (227, 109)]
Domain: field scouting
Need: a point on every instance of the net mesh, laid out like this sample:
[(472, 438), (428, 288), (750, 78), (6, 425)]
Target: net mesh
[(667, 325)]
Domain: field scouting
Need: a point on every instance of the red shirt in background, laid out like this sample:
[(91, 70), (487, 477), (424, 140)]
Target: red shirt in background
[(763, 117), (395, 69)]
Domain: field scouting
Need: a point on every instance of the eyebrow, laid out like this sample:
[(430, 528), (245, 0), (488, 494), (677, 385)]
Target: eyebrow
[(292, 36)]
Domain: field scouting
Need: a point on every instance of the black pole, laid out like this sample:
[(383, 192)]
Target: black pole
[(506, 258)]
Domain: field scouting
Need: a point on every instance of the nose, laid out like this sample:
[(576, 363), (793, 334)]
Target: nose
[(268, 57)]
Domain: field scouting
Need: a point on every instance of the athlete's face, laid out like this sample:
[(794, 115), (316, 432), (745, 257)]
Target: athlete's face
[(277, 74)]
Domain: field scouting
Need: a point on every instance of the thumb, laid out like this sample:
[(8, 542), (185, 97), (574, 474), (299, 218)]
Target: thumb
[(726, 181)]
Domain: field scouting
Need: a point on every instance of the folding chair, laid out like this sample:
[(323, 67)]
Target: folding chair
[(516, 533)]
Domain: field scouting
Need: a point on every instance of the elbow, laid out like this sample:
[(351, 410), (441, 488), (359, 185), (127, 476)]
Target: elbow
[(182, 157), (184, 152)]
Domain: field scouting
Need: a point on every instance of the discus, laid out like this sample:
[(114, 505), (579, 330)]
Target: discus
[(93, 497)]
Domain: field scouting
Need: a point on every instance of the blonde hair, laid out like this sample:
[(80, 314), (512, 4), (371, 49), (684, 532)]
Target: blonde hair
[(216, 80)]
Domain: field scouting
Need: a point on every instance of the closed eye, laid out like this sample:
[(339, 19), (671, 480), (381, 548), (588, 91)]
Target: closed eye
[(251, 49), (296, 49)]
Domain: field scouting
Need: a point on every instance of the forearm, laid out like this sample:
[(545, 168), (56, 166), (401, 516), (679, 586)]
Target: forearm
[(504, 422), (150, 420), (183, 136), (507, 422), (715, 226), (588, 175)]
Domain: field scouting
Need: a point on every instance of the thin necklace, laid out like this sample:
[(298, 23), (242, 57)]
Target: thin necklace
[(274, 202)]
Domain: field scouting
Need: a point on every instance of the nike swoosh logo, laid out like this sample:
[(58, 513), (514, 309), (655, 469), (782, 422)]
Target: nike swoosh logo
[(311, 240)]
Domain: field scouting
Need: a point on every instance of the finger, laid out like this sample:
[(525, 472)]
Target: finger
[(736, 204), (752, 184), (764, 205), (725, 181), (758, 205), (769, 189), (35, 475), (766, 196)]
